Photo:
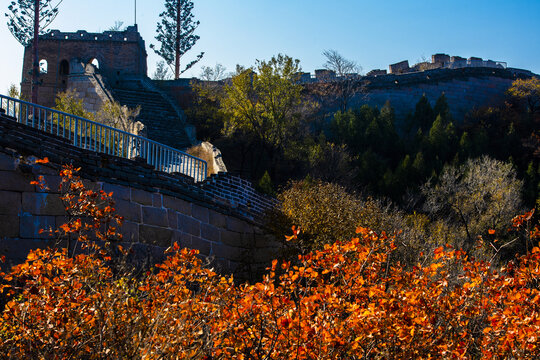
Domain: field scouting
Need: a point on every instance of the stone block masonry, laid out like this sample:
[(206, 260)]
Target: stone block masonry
[(218, 217)]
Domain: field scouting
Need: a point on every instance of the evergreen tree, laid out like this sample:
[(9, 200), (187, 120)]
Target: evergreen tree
[(437, 136), (265, 184), (465, 146), (442, 108), (176, 33), (21, 19), (423, 114), (343, 127), (530, 189), (419, 166), (403, 177), (511, 143)]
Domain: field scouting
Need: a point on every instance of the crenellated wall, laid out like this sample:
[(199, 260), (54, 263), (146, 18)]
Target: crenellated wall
[(159, 209), (118, 53)]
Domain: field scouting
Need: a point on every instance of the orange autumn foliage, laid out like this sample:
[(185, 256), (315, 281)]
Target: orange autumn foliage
[(346, 301)]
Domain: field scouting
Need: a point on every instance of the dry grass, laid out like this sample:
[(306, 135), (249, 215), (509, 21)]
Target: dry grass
[(201, 153)]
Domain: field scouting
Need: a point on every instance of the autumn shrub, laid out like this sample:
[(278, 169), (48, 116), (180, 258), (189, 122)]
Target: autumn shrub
[(324, 212), (327, 212), (480, 196), (346, 300)]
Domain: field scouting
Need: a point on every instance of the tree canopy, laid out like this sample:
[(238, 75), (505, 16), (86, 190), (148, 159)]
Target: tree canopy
[(266, 100), (21, 18), (176, 33)]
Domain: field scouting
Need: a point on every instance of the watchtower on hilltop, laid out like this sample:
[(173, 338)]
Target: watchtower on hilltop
[(116, 54)]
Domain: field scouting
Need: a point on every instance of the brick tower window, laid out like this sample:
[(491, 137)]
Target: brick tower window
[(64, 67), (43, 66)]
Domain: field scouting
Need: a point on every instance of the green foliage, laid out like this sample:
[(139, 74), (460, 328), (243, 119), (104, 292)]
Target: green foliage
[(527, 90), (70, 103), (21, 18), (206, 113), (330, 162), (266, 102), (531, 184), (423, 115), (324, 212), (441, 108), (121, 117), (265, 185), (176, 33), (442, 138), (13, 91)]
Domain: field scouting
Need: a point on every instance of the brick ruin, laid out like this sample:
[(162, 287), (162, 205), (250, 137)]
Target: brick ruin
[(115, 54), (102, 67)]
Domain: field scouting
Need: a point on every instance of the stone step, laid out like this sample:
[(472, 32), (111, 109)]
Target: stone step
[(161, 120)]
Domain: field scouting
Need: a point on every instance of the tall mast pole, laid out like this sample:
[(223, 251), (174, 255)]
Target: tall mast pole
[(177, 43), (35, 64), (135, 12)]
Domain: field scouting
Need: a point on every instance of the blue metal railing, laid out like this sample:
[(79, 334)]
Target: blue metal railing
[(91, 135)]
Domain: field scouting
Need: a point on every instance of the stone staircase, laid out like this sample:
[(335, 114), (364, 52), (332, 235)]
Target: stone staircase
[(162, 121)]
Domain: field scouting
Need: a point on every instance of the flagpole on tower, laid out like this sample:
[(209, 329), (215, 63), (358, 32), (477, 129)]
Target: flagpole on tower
[(135, 12)]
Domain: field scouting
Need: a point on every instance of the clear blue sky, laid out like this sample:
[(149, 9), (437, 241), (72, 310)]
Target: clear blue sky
[(373, 33)]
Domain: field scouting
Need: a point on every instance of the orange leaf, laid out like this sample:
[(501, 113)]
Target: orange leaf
[(45, 160)]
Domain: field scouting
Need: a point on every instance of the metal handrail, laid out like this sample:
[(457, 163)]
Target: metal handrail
[(91, 135)]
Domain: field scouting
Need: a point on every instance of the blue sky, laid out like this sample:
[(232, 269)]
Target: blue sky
[(373, 33)]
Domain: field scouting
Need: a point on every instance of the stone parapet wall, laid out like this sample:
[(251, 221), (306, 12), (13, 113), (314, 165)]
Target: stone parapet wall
[(128, 35), (237, 193), (89, 87), (435, 76), (159, 209)]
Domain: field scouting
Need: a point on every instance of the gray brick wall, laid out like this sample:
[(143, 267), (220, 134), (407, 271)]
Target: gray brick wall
[(159, 209)]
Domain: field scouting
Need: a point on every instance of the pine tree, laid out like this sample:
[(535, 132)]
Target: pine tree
[(423, 114), (419, 166), (21, 19), (442, 108), (465, 146), (530, 189), (176, 33)]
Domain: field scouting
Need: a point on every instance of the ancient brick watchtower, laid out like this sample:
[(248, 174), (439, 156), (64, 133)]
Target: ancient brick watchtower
[(115, 53)]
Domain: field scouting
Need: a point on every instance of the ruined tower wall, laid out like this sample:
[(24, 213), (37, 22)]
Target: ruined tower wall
[(119, 53)]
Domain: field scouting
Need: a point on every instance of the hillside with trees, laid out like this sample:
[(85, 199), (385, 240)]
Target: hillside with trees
[(400, 239)]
